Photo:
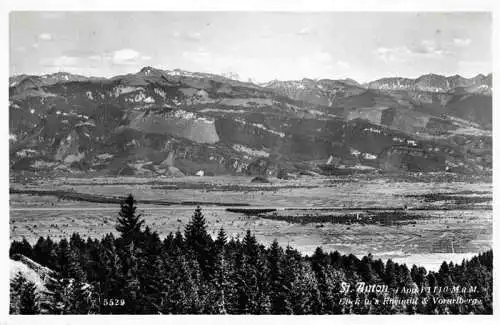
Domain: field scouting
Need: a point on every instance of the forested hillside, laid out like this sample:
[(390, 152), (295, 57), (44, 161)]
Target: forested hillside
[(191, 273)]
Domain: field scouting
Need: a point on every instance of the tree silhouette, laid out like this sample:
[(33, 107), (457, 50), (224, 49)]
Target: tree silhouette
[(198, 241), (129, 223), (29, 304), (221, 240), (16, 287), (192, 274)]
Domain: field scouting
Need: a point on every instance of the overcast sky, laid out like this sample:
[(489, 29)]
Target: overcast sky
[(257, 45)]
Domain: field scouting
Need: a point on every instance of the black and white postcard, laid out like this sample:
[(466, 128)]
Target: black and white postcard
[(305, 162)]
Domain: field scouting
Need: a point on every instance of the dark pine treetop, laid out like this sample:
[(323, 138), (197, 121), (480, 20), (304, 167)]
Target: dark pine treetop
[(29, 299), (129, 223), (196, 233), (221, 240), (198, 239)]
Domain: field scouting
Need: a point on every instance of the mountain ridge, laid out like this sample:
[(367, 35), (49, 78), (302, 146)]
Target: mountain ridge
[(176, 122), (182, 72)]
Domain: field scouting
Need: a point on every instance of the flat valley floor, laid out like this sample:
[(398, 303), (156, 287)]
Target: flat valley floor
[(433, 220)]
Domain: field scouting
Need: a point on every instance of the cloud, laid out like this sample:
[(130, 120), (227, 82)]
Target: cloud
[(430, 48), (425, 49), (462, 42), (392, 54), (45, 37), (119, 57), (126, 57)]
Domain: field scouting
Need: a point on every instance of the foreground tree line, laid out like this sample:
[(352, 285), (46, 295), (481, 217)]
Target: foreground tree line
[(190, 273)]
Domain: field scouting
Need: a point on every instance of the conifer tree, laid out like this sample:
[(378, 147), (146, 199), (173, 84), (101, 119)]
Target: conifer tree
[(243, 279), (199, 242), (300, 287), (178, 241), (263, 304), (23, 247), (220, 284), (379, 268), (74, 295), (221, 239), (16, 287), (278, 289), (77, 242), (75, 269), (151, 273), (44, 252), (29, 299), (182, 294), (63, 257), (250, 247), (261, 273), (55, 304), (194, 274), (366, 270), (390, 273), (129, 222), (318, 259)]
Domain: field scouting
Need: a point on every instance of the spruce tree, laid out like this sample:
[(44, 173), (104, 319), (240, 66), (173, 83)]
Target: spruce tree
[(75, 269), (199, 242), (178, 241), (63, 258), (182, 294), (111, 281), (77, 242), (243, 279), (16, 287), (75, 292), (366, 271), (304, 293), (29, 299), (44, 252), (220, 284), (250, 246), (278, 290), (221, 240), (22, 247), (260, 273), (390, 274), (151, 273), (129, 222)]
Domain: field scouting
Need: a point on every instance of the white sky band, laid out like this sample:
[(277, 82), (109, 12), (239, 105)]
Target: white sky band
[(259, 45)]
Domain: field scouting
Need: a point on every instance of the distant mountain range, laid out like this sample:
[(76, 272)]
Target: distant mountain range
[(174, 122), (436, 83)]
